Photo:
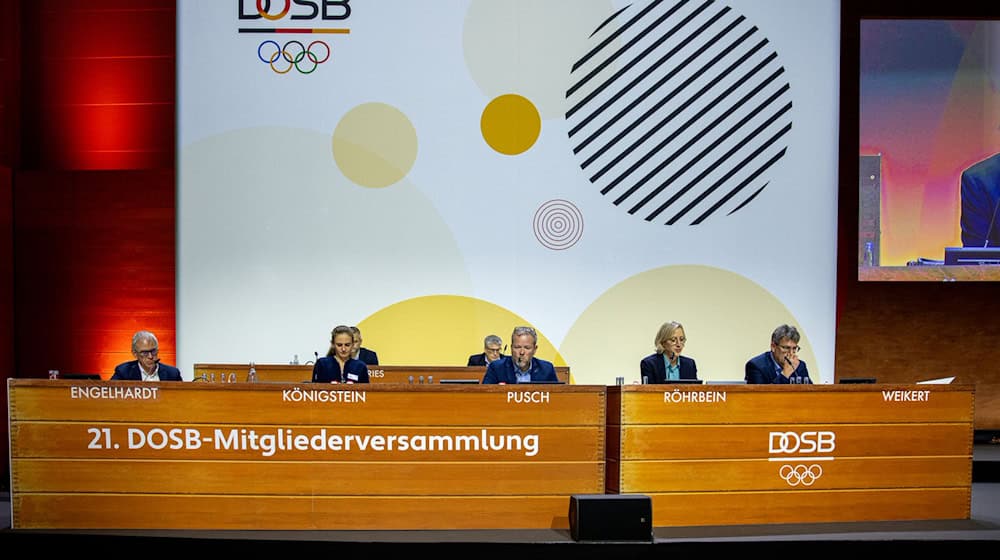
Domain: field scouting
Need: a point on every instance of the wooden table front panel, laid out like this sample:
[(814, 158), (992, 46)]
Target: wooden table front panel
[(777, 454), (266, 456), (302, 373)]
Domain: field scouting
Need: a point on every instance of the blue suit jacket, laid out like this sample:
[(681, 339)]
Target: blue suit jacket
[(653, 368), (479, 359), (327, 370), (368, 356), (502, 371), (129, 371), (760, 370), (980, 199)]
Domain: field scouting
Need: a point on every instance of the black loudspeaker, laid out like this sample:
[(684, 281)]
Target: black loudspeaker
[(611, 517)]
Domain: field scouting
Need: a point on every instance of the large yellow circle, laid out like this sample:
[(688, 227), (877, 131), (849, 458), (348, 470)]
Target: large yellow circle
[(443, 330)]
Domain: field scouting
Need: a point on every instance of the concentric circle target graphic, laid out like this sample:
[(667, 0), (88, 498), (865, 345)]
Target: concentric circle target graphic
[(558, 224), (679, 111)]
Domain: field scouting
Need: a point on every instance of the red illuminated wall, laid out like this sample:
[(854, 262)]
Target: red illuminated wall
[(87, 103), (98, 84)]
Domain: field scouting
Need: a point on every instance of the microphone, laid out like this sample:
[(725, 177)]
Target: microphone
[(992, 221), (504, 349)]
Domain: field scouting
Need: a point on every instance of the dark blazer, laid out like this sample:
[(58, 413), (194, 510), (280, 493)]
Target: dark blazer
[(653, 368), (980, 194), (129, 371), (502, 371), (479, 359), (327, 370), (760, 370), (368, 356)]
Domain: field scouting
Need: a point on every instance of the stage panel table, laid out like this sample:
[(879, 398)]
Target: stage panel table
[(168, 455), (302, 373), (753, 454)]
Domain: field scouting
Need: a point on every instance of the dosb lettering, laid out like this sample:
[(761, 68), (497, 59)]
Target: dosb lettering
[(159, 438)]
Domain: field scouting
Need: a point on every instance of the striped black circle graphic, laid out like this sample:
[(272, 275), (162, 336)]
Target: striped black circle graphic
[(558, 224), (678, 110)]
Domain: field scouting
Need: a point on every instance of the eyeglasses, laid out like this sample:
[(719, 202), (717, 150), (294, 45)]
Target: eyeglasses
[(790, 348), (148, 353), (676, 340)]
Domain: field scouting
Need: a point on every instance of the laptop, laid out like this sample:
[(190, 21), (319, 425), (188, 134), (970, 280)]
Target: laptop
[(855, 380), (682, 382), (458, 381), (726, 382), (971, 255)]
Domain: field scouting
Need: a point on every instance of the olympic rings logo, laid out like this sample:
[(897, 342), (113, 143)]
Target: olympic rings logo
[(292, 55), (800, 474)]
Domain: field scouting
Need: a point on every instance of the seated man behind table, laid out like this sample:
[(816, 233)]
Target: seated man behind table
[(367, 356), (521, 366), (491, 352), (781, 364), (338, 366), (980, 195), (146, 366), (667, 363)]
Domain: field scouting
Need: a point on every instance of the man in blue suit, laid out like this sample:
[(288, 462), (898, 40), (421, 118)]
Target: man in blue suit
[(980, 203), (369, 357), (491, 352), (781, 364), (521, 366), (147, 365)]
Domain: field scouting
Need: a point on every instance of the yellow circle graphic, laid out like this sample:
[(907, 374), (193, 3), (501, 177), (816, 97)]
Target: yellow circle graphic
[(443, 330), (375, 145), (510, 124)]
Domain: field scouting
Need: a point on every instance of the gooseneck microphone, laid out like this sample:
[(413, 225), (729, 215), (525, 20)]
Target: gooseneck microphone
[(993, 220)]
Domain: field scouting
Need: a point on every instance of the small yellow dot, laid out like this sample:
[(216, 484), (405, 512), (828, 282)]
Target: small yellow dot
[(510, 124)]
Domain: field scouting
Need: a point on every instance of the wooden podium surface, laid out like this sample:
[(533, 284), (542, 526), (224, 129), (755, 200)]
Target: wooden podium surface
[(749, 454), (168, 455), (930, 273), (302, 373), (131, 455)]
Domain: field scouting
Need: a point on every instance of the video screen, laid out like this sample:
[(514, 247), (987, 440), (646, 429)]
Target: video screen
[(929, 142)]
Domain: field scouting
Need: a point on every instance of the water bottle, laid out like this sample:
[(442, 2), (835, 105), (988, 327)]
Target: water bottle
[(869, 257), (252, 376)]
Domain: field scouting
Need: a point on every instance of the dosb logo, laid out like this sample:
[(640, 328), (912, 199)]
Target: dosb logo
[(305, 58), (304, 9), (802, 442)]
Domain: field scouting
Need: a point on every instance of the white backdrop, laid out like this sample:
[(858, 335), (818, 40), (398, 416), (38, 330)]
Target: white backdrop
[(428, 180)]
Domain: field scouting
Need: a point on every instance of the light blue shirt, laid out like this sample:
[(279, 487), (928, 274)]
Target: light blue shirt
[(673, 372), (522, 376)]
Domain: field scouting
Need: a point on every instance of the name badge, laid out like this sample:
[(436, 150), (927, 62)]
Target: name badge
[(352, 376)]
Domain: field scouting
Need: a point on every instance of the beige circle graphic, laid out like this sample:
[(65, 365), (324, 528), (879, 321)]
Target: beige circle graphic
[(375, 145), (528, 47), (727, 319)]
